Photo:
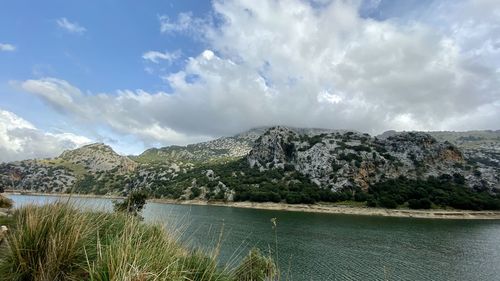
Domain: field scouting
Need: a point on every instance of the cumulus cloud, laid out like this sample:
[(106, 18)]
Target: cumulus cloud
[(72, 27), (126, 112), (7, 47), (298, 64), (19, 140), (156, 57)]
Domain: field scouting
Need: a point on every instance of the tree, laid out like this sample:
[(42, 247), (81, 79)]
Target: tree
[(419, 203), (388, 202), (133, 204)]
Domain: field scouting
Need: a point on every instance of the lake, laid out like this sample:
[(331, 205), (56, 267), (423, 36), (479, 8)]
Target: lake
[(333, 247)]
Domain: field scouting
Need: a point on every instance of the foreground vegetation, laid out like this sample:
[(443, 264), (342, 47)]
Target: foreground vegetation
[(59, 242)]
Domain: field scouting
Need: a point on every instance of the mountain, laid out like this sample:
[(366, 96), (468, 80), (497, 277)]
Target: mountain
[(98, 157), (62, 173), (297, 165), (337, 160), (225, 148)]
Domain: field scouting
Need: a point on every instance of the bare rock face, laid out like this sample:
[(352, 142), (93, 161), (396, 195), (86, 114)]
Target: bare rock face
[(481, 150), (336, 160), (273, 149)]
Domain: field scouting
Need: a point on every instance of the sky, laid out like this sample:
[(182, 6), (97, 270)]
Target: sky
[(141, 74)]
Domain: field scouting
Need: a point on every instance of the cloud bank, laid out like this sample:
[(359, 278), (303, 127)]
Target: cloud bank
[(309, 65), (19, 140)]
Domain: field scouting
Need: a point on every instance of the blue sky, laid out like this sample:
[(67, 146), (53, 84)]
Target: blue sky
[(103, 58), (107, 55), (137, 74)]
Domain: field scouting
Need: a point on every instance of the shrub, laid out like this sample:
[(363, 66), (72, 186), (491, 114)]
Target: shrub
[(371, 202), (195, 192), (419, 203), (388, 202), (361, 196), (6, 202), (133, 204), (443, 191)]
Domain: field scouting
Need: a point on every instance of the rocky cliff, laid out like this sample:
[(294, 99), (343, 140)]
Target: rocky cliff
[(336, 160)]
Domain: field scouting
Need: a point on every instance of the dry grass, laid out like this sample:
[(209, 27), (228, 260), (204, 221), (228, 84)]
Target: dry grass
[(59, 242)]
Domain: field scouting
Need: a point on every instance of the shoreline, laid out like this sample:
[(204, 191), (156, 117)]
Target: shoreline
[(345, 210), (308, 208)]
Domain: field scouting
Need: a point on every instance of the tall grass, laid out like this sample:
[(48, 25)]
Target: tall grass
[(59, 242)]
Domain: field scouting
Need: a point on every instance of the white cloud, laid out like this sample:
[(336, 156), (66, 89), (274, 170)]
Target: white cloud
[(127, 112), (7, 47), (72, 27), (185, 23), (155, 56), (19, 140), (291, 63)]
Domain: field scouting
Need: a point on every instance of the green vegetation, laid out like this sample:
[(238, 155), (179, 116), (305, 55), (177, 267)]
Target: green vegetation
[(133, 204), (273, 185), (289, 186), (59, 242), (444, 191), (78, 169)]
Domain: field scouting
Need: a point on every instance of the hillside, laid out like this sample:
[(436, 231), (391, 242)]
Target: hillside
[(225, 148), (283, 164)]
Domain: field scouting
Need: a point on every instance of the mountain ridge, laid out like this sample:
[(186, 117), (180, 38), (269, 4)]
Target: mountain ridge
[(295, 159)]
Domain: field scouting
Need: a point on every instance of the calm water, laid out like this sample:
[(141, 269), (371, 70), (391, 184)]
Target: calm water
[(337, 247)]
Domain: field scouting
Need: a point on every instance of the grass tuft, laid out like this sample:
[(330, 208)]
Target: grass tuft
[(59, 242)]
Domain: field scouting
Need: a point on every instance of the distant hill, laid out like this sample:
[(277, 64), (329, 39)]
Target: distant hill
[(296, 165), (225, 148)]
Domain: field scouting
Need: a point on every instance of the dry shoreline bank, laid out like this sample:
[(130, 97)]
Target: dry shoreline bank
[(313, 208)]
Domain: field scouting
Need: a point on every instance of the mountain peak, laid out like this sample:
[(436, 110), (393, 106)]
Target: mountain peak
[(98, 157)]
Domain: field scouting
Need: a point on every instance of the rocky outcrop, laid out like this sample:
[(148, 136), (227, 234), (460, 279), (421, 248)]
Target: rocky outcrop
[(273, 149), (36, 175), (481, 150), (99, 157), (344, 159)]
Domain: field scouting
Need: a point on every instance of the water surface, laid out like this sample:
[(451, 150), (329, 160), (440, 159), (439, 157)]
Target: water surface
[(334, 247)]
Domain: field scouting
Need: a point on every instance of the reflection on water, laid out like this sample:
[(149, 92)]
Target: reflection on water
[(334, 247)]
